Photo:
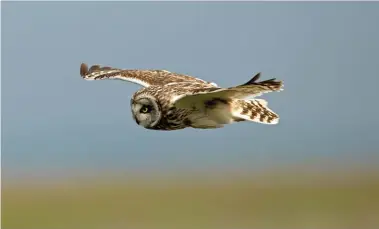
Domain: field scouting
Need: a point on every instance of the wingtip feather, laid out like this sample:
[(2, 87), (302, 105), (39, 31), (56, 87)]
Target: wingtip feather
[(83, 69), (254, 79), (270, 82)]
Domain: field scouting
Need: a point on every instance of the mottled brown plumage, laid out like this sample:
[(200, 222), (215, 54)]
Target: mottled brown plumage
[(176, 101), (148, 77)]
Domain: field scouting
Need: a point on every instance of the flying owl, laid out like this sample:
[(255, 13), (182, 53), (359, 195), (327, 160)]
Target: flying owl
[(172, 101)]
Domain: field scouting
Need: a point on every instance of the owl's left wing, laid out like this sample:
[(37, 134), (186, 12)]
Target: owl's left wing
[(144, 78), (248, 90)]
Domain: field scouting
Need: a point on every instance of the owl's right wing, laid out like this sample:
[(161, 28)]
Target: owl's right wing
[(144, 78), (250, 89)]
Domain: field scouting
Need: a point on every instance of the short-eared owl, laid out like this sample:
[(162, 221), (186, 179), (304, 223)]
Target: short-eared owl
[(172, 101)]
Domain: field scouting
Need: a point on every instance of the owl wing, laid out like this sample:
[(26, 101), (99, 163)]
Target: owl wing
[(250, 89), (144, 78)]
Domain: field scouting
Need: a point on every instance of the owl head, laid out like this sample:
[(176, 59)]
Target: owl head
[(146, 110)]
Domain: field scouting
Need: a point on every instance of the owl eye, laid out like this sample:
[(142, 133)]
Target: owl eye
[(145, 109)]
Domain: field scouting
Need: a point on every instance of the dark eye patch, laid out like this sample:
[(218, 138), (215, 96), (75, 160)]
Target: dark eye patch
[(146, 109)]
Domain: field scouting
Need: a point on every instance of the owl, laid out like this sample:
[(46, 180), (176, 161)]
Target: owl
[(173, 101)]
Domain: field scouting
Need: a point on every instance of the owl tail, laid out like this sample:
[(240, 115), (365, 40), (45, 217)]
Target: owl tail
[(255, 110)]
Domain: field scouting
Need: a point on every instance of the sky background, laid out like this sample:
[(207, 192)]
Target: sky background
[(52, 120)]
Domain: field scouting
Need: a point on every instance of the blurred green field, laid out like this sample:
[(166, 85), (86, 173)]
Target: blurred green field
[(295, 200)]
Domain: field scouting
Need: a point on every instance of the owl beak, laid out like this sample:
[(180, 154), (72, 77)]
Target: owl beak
[(136, 120)]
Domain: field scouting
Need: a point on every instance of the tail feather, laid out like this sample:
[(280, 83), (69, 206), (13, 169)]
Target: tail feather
[(254, 110)]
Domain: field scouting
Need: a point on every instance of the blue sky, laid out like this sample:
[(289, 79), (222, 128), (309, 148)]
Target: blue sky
[(326, 53)]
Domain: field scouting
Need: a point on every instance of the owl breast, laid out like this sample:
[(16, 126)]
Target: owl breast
[(174, 119)]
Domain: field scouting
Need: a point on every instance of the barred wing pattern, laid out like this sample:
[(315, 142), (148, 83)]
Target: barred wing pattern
[(144, 78)]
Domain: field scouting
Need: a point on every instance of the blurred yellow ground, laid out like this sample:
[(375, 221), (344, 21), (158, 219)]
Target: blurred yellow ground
[(296, 201)]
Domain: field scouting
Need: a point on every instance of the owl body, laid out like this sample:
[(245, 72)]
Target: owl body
[(172, 118), (172, 101)]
